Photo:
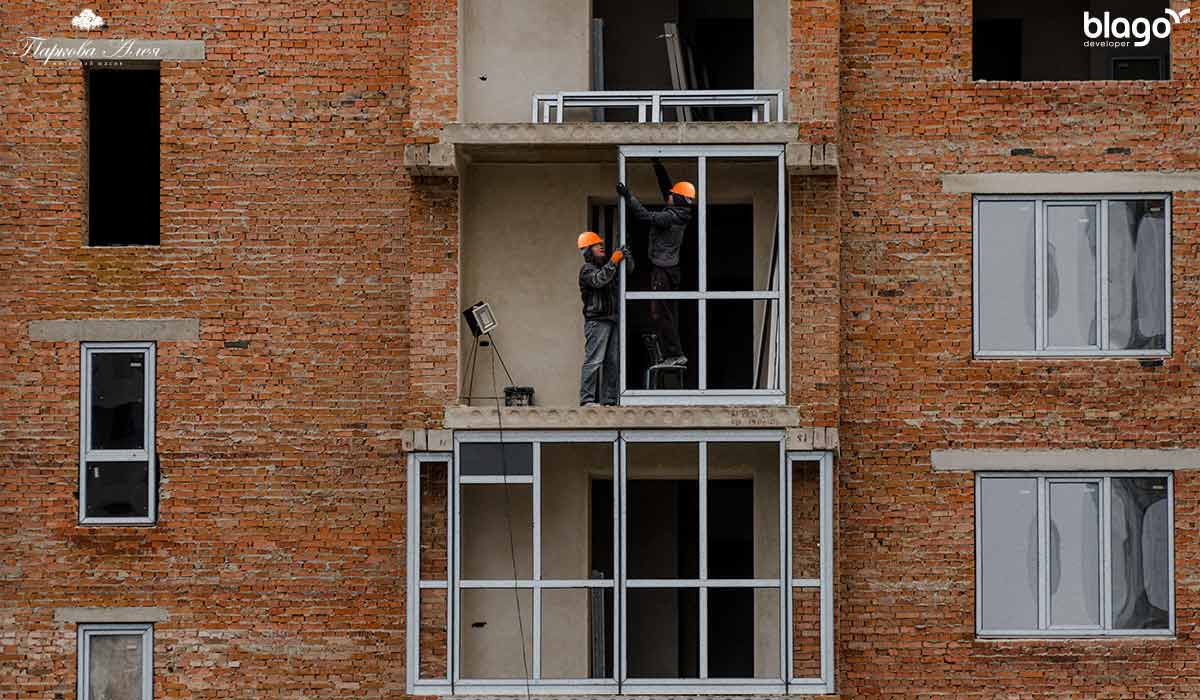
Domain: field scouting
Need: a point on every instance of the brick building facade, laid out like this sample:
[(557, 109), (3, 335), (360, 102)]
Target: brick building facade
[(338, 181)]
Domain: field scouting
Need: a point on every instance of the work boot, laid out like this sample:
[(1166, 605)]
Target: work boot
[(591, 404), (676, 361)]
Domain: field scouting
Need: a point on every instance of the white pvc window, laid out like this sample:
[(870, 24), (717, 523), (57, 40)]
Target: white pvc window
[(728, 298), (117, 470), (1074, 554), (1072, 276), (574, 553), (115, 662)]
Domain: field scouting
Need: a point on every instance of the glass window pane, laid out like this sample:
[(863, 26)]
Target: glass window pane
[(741, 224), (657, 330), (489, 513), (492, 624), (1071, 276), (743, 510), (1008, 576), (435, 520), (577, 633), (117, 490), (662, 510), (1141, 550), (1137, 274), (115, 666), (1006, 244), (670, 243), (1074, 554), (487, 459), (577, 519), (663, 633), (118, 400), (742, 344), (743, 633)]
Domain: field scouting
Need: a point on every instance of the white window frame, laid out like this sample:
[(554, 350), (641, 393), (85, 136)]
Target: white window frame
[(84, 651), (703, 395), (87, 454), (1045, 629), (1041, 346), (417, 684), (788, 683)]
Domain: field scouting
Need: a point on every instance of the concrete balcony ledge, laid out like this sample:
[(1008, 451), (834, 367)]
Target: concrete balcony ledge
[(597, 142)]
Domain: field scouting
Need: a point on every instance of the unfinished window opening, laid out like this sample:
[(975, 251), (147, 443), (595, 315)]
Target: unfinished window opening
[(673, 45), (1074, 554), (117, 467), (695, 595), (1074, 40), (1063, 276), (707, 294), (123, 154), (115, 662)]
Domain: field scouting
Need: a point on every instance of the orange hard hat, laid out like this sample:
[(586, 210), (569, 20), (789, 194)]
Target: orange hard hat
[(684, 189), (587, 239)]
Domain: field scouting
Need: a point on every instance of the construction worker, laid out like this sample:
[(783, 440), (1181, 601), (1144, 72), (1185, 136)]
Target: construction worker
[(598, 290), (666, 237)]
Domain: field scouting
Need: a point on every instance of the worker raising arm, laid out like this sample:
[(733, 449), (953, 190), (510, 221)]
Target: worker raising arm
[(598, 290)]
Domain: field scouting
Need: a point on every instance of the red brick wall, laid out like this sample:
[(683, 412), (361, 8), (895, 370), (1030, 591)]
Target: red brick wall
[(909, 112), (814, 305), (285, 222)]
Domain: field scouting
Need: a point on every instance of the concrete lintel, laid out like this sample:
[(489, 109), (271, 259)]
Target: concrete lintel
[(1071, 183), (426, 440), (631, 417), (1064, 460), (123, 329), (616, 134), (431, 159), (109, 615), (811, 158)]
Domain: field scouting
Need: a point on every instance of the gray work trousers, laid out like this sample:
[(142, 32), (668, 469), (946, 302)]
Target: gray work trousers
[(599, 377)]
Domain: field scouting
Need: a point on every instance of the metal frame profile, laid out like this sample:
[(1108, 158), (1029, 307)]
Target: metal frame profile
[(86, 454), (619, 682), (774, 294), (551, 108), (1042, 348), (83, 654), (1103, 480)]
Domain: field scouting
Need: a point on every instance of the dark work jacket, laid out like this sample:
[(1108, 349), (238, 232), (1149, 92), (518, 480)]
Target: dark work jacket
[(666, 226), (598, 287)]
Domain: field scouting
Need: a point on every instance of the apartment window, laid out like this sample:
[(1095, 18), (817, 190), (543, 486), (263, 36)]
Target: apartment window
[(1071, 276), (724, 312), (117, 462), (122, 153), (1074, 554), (644, 562), (116, 662), (1072, 40)]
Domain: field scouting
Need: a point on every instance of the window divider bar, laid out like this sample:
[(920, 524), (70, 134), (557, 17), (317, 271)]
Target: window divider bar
[(413, 601), (1105, 536), (1040, 309), (702, 287), (620, 476), (1043, 557), (535, 615), (1102, 341)]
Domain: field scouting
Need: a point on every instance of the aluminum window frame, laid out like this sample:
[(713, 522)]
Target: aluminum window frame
[(1042, 348), (619, 683), (416, 584), (84, 634), (148, 454), (1045, 629), (703, 395)]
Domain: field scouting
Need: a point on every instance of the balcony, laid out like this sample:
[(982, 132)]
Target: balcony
[(657, 106)]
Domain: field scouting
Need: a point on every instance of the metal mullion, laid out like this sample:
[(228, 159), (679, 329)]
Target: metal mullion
[(565, 584), (433, 584), (785, 590), (621, 281), (619, 478), (702, 287), (1102, 341), (1039, 274), (825, 511), (782, 258), (1105, 534), (1043, 557), (413, 536), (749, 294), (1171, 548), (536, 613), (454, 642)]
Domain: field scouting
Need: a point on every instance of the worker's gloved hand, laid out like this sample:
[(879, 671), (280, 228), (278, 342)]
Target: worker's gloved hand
[(617, 256), (622, 190)]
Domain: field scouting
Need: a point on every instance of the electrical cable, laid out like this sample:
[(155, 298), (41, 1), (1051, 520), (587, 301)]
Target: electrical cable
[(512, 548)]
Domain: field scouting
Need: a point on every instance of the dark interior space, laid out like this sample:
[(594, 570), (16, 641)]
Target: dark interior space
[(123, 164), (117, 490), (715, 50), (731, 633), (1028, 40)]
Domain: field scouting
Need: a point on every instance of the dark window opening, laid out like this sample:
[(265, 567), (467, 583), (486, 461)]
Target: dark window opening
[(117, 490), (711, 48), (1072, 40), (123, 158)]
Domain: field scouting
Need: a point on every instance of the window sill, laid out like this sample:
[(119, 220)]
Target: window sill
[(1072, 355), (1089, 635)]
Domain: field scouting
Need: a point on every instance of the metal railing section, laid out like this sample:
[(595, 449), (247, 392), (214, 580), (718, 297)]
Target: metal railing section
[(765, 105)]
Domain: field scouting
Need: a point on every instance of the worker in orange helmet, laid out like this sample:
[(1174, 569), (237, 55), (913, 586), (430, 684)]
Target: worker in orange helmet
[(666, 237), (598, 290)]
